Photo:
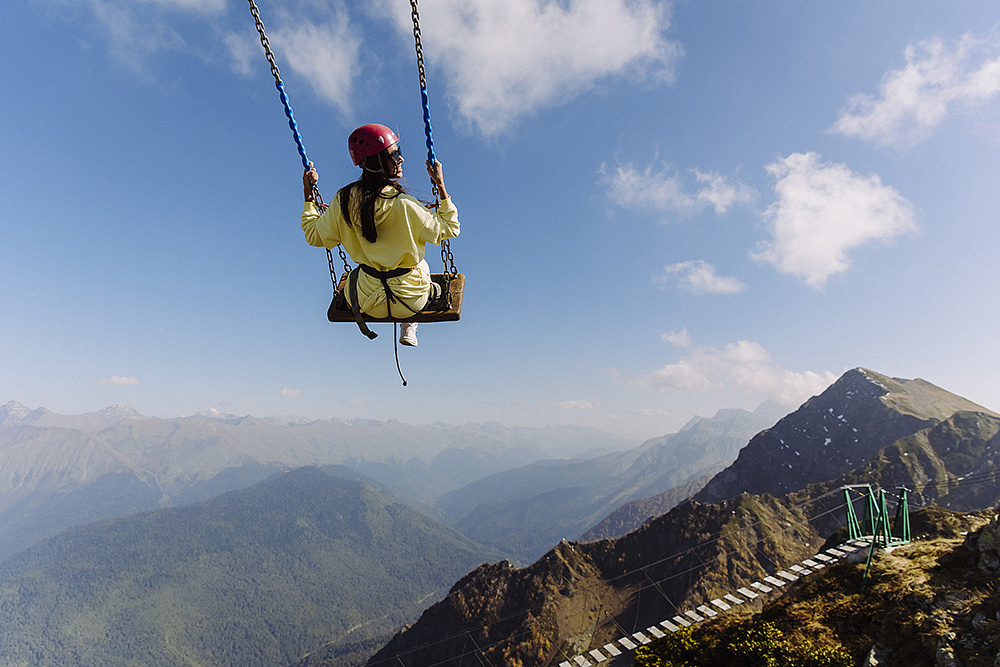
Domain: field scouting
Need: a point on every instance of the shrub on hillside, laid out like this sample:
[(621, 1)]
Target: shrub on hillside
[(750, 644)]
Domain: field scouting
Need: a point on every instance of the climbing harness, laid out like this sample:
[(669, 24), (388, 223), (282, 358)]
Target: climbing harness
[(451, 284)]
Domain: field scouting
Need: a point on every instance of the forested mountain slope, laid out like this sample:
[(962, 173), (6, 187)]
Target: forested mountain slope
[(582, 594), (256, 577)]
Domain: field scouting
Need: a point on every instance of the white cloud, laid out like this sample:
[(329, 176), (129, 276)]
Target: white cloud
[(685, 376), (499, 60), (245, 52), (202, 6), (743, 366), (718, 192), (323, 48), (699, 277), (291, 393), (133, 37), (137, 28), (119, 381), (326, 55), (679, 338), (667, 191), (914, 100), (504, 59), (824, 210)]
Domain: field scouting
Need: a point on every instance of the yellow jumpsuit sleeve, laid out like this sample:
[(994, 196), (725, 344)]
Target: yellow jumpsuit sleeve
[(318, 229)]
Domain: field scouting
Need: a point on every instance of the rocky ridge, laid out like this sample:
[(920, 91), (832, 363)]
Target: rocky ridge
[(581, 594), (834, 433)]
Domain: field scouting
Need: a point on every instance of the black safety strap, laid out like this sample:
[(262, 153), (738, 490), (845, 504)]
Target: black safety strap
[(352, 286), (390, 296)]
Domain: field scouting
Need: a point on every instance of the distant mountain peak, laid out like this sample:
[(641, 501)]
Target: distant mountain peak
[(12, 413), (119, 407), (917, 397), (214, 413), (834, 433), (120, 411), (727, 414)]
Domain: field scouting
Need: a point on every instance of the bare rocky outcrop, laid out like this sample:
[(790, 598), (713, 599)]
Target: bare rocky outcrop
[(834, 433)]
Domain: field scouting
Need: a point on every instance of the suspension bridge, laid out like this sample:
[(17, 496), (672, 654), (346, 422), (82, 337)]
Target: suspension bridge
[(874, 531)]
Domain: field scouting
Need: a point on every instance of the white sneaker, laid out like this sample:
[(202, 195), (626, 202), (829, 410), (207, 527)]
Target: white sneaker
[(408, 334)]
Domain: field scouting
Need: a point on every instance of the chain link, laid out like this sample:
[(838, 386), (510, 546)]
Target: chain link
[(265, 42), (447, 258), (415, 15), (317, 197), (418, 45)]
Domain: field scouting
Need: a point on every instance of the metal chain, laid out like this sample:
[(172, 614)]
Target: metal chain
[(317, 197), (264, 41), (418, 45), (447, 258)]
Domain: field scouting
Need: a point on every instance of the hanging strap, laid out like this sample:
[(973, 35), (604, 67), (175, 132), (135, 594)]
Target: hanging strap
[(352, 282), (390, 298)]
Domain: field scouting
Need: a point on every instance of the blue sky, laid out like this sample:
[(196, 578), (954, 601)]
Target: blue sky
[(667, 208)]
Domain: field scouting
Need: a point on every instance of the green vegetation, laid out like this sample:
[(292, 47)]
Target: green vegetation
[(934, 597), (254, 577), (749, 644)]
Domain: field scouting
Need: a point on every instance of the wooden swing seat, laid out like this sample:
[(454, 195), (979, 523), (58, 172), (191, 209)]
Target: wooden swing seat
[(339, 311)]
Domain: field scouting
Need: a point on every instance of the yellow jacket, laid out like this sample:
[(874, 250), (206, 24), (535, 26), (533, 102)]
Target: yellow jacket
[(404, 226)]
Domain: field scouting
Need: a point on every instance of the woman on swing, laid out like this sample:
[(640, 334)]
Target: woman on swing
[(383, 229)]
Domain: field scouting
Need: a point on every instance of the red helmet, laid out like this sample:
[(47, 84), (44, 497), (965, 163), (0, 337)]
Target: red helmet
[(369, 140)]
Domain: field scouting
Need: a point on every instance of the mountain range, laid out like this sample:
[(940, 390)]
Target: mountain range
[(317, 566), (57, 471), (771, 507), (63, 473), (523, 511)]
